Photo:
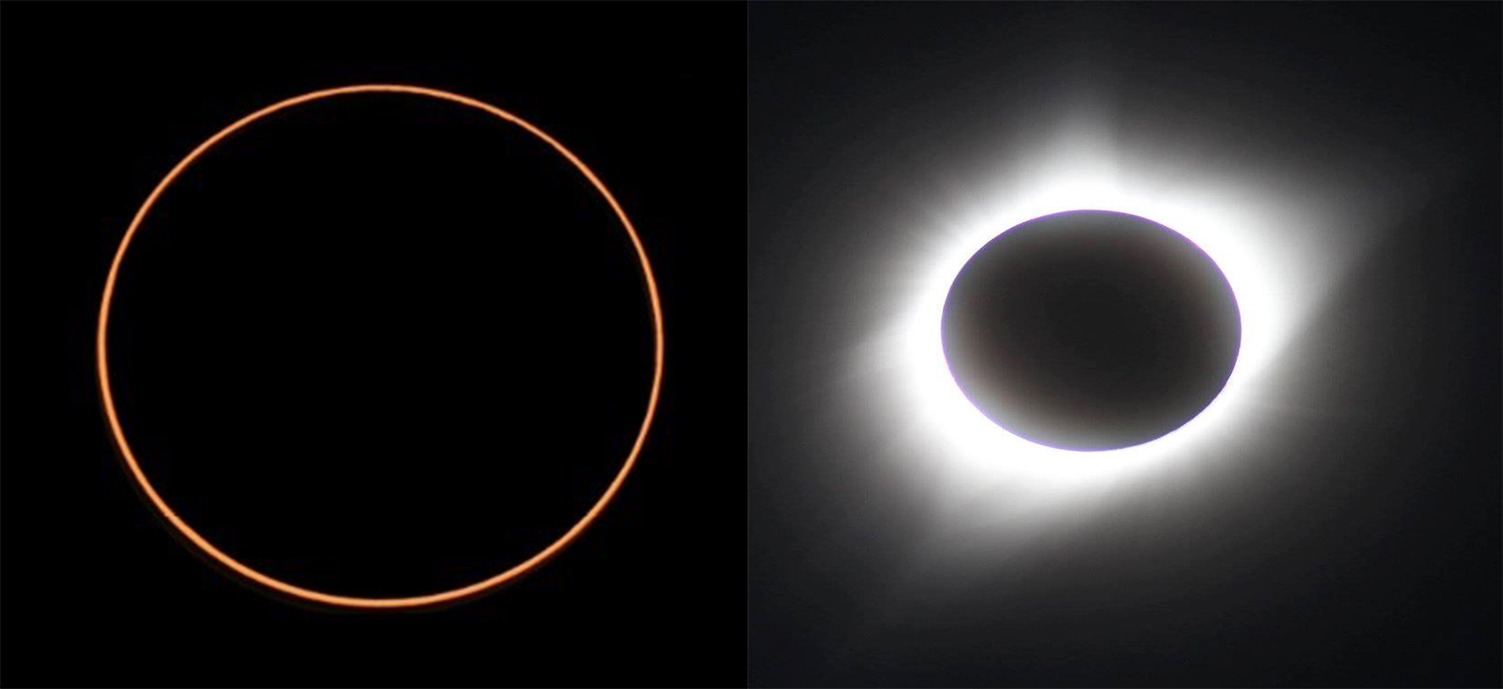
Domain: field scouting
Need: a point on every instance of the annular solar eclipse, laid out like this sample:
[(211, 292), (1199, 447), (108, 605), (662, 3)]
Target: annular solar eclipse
[(1090, 330), (197, 540)]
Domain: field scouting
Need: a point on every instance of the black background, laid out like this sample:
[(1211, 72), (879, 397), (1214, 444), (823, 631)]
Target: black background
[(1357, 545), (378, 345)]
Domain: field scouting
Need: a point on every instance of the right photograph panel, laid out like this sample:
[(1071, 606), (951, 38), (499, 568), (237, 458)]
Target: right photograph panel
[(1138, 344)]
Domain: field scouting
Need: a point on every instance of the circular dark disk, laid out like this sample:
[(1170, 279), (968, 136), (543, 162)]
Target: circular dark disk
[(330, 365), (1091, 330)]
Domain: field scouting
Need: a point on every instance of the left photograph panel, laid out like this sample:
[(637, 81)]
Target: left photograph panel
[(373, 345)]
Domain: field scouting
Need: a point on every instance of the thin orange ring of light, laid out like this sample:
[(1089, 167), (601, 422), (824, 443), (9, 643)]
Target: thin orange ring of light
[(328, 598)]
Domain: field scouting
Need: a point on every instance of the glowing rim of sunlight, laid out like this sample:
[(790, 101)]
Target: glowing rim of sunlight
[(208, 548), (981, 448)]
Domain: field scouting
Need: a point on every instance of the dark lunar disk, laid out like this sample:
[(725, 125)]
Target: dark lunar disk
[(1091, 330)]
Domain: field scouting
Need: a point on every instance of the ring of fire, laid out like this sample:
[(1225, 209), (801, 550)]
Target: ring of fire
[(208, 548)]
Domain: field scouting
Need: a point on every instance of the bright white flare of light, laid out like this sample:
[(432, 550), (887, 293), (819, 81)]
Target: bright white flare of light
[(1234, 235), (1284, 224)]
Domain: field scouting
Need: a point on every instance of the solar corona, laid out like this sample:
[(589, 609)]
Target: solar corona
[(197, 540)]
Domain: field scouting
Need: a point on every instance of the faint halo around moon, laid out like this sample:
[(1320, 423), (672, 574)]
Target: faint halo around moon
[(1090, 330)]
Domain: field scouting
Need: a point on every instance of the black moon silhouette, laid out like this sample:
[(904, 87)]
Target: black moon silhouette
[(1091, 330)]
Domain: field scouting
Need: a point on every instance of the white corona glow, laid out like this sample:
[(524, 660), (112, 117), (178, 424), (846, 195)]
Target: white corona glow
[(1283, 230), (1233, 235)]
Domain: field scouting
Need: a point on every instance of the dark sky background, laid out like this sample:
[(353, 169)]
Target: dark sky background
[(376, 346), (1353, 536)]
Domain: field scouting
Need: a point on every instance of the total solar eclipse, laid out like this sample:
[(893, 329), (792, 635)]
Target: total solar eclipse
[(1090, 330)]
